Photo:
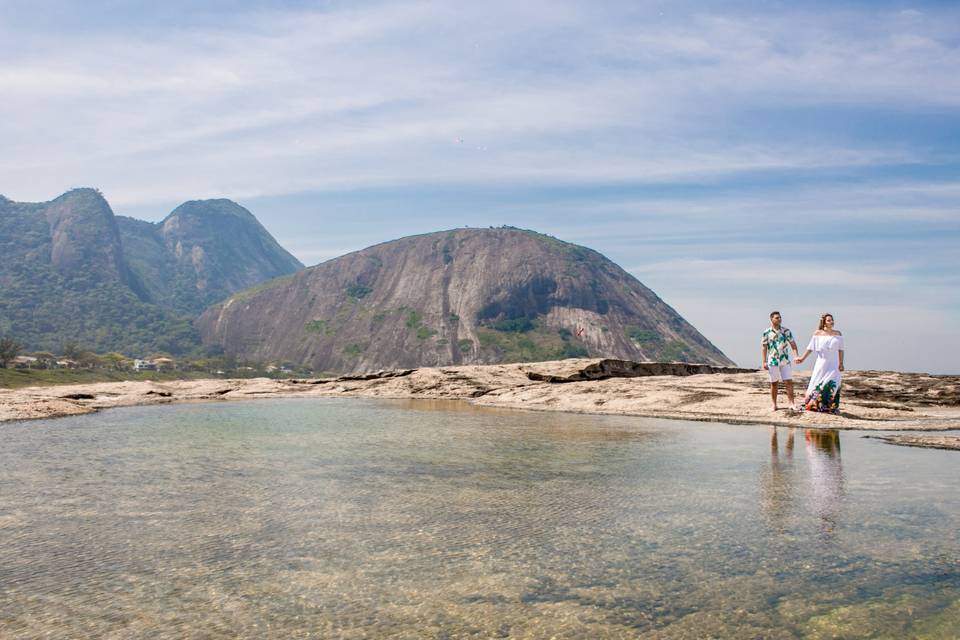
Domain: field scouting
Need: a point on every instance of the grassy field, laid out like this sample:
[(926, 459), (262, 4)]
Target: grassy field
[(17, 378)]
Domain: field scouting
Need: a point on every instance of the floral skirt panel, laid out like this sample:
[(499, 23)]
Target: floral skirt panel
[(824, 398)]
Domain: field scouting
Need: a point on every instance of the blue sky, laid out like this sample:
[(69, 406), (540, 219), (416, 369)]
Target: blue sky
[(734, 156)]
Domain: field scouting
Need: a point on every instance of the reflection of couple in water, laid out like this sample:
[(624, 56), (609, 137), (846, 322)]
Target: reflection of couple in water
[(823, 392), (826, 478)]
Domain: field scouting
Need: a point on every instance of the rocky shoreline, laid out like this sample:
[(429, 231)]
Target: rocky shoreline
[(873, 400)]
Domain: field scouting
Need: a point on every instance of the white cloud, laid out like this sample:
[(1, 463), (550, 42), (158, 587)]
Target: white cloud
[(789, 272), (350, 98)]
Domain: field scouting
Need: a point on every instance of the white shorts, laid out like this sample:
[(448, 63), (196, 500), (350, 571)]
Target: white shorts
[(782, 373)]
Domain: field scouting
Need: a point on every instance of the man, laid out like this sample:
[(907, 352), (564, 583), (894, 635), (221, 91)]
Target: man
[(775, 346)]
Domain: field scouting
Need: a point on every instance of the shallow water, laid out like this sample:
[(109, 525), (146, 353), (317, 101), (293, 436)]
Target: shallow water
[(360, 519)]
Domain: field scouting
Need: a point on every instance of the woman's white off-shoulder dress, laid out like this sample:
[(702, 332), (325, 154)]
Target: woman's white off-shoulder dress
[(823, 392)]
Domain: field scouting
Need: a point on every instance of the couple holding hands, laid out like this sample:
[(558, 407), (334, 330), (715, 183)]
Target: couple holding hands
[(823, 392)]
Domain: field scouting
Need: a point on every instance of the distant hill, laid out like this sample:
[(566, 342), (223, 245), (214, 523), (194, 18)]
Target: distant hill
[(73, 271), (201, 253), (453, 297)]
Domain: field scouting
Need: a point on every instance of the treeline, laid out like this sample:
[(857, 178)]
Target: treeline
[(46, 310)]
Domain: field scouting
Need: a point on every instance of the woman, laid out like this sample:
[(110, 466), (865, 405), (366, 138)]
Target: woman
[(823, 392)]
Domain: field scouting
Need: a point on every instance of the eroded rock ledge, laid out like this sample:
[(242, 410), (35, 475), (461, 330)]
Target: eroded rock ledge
[(609, 368)]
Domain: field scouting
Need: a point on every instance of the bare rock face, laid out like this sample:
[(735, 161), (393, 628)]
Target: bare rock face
[(84, 238), (221, 247), (467, 296), (202, 252)]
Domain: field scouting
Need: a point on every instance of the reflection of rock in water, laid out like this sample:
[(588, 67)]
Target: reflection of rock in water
[(776, 486), (826, 476)]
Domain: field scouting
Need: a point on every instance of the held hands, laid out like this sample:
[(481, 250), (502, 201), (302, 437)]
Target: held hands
[(798, 360)]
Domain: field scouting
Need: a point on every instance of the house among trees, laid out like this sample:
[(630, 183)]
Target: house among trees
[(24, 362), (144, 365)]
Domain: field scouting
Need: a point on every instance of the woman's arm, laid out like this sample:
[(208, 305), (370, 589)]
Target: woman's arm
[(841, 350), (803, 357)]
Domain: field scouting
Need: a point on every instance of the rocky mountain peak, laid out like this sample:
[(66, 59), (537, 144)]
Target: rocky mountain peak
[(85, 238), (460, 296)]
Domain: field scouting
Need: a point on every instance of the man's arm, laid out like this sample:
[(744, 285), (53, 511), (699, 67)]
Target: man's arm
[(763, 354), (795, 349)]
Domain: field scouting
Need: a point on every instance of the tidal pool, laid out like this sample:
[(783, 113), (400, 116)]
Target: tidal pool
[(328, 518)]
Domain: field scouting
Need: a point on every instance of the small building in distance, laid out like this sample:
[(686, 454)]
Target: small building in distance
[(163, 364), (144, 365), (24, 362)]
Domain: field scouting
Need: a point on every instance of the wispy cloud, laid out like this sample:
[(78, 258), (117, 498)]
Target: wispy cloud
[(383, 94), (788, 273)]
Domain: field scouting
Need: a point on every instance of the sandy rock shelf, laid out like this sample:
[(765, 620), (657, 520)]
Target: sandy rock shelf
[(926, 442), (873, 400)]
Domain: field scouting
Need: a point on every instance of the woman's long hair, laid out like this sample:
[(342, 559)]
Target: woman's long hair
[(823, 321)]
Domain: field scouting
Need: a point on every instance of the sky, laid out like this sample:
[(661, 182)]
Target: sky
[(736, 157)]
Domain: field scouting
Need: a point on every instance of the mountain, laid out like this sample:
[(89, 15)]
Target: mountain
[(84, 239), (455, 297), (201, 253), (73, 271)]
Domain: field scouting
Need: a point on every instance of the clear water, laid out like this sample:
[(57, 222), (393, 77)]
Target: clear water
[(362, 519)]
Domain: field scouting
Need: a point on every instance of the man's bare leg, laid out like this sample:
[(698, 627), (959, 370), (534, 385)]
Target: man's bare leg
[(773, 394), (790, 392)]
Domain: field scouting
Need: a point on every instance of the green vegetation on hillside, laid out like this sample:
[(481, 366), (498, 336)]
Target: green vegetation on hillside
[(526, 340), (514, 325), (71, 270), (641, 336), (319, 326), (415, 321), (358, 291), (354, 350), (674, 350), (656, 347), (42, 308)]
